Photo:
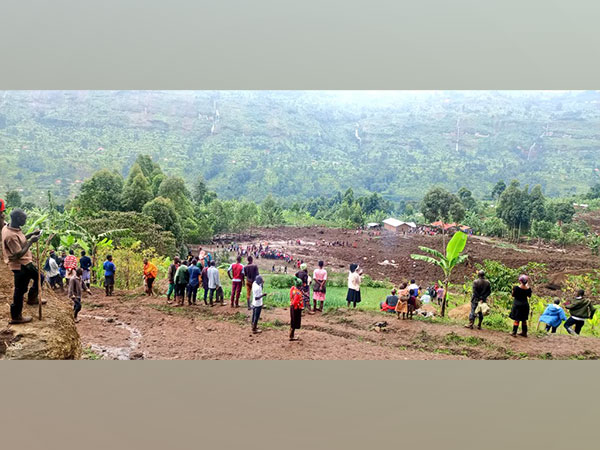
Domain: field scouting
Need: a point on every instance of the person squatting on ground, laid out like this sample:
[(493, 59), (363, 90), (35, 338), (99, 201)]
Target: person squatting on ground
[(390, 303), (354, 280), (150, 274), (320, 287), (171, 277), (553, 316), (182, 278), (109, 275), (481, 291), (194, 284), (236, 275), (17, 254), (257, 302), (85, 262), (250, 273), (74, 292), (579, 309), (214, 281), (296, 307), (520, 308)]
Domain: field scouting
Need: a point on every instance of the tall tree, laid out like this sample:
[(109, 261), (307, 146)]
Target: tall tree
[(270, 212), (439, 204), (13, 199), (101, 192), (136, 193), (513, 207), (163, 213), (537, 203), (466, 198), (498, 189)]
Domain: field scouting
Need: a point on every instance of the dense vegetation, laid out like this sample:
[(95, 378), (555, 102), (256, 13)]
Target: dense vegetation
[(299, 145)]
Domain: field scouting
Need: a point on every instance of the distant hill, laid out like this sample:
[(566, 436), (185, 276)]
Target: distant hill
[(296, 144)]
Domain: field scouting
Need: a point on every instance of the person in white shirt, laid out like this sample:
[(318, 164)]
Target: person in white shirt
[(354, 280), (213, 281), (257, 302), (52, 273)]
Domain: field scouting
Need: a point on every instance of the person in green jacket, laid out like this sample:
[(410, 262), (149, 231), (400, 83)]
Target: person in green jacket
[(580, 309), (182, 278)]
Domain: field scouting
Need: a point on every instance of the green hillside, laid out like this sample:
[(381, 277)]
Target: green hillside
[(296, 144)]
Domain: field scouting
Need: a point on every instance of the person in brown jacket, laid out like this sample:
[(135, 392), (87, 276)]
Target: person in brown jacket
[(75, 292)]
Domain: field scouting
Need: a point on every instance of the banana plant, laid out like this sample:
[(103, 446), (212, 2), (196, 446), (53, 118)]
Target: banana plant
[(446, 262)]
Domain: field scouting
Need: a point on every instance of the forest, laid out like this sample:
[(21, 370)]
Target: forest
[(299, 145)]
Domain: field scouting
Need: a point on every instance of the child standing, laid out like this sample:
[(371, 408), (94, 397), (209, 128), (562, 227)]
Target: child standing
[(75, 292)]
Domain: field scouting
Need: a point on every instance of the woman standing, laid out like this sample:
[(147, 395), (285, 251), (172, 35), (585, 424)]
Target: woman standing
[(354, 280), (296, 306), (303, 275), (319, 289), (520, 307)]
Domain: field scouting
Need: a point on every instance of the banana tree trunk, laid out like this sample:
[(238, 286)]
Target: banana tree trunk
[(445, 299)]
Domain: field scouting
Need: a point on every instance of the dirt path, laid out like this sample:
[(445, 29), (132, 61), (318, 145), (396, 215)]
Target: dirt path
[(126, 327)]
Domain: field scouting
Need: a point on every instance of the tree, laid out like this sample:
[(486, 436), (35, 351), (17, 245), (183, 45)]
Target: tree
[(13, 199), (513, 207), (466, 198), (200, 190), (102, 192), (594, 192), (270, 212), (174, 188), (439, 204), (562, 211), (163, 213), (498, 189), (136, 193), (149, 168), (446, 262), (537, 204)]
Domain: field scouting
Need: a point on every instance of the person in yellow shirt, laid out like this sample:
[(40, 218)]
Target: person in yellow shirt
[(150, 274)]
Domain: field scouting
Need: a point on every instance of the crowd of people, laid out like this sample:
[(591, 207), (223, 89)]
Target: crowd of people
[(187, 276)]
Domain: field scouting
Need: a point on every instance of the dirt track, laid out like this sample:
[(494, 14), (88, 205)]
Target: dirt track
[(126, 327)]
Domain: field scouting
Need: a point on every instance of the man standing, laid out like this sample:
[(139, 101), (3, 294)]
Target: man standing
[(52, 274), (213, 281), (15, 247), (74, 292), (257, 302), (580, 309), (182, 278), (109, 275), (85, 262), (250, 273), (192, 287), (481, 291), (236, 274), (150, 274), (171, 276)]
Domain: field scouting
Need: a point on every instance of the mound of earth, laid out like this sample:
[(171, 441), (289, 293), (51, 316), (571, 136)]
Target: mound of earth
[(460, 312), (54, 337)]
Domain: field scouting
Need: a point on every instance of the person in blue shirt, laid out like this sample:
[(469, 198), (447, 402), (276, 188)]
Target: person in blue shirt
[(85, 262), (109, 275), (194, 283), (553, 316)]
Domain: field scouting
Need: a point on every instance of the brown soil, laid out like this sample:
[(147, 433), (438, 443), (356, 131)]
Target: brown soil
[(397, 248), (129, 327)]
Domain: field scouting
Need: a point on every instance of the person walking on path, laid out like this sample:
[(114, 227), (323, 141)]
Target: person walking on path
[(481, 291), (296, 307), (579, 309), (52, 273), (17, 254), (182, 278), (236, 274), (320, 288), (194, 284), (354, 280), (520, 307), (109, 275), (171, 276), (213, 281), (74, 292), (250, 273), (85, 262), (257, 302), (553, 316), (150, 274)]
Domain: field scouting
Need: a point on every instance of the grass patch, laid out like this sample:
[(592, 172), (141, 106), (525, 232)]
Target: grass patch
[(88, 353)]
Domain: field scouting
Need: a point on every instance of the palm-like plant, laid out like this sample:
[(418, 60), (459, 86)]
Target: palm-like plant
[(446, 262)]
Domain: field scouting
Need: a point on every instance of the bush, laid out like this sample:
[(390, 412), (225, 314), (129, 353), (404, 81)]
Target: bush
[(282, 281)]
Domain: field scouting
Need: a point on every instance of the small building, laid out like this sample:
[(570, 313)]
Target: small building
[(398, 226), (373, 225)]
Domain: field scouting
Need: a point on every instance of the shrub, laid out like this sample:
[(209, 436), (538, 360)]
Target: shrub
[(282, 281)]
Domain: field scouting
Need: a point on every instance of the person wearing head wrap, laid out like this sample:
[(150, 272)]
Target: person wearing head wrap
[(481, 291), (354, 280), (303, 275), (296, 305), (520, 307)]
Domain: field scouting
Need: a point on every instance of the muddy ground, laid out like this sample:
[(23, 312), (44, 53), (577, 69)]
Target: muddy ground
[(370, 251), (139, 327)]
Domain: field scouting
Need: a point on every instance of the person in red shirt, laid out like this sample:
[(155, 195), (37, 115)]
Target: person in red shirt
[(296, 307), (70, 265), (236, 274)]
